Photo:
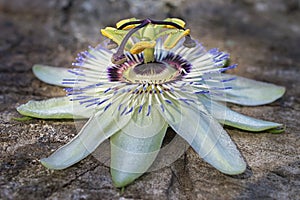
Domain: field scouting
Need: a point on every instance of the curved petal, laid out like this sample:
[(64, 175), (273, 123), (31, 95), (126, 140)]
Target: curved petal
[(231, 118), (249, 92), (135, 147), (206, 136), (55, 108), (53, 75), (95, 131)]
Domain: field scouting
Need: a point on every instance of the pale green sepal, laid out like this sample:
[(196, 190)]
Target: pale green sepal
[(122, 179), (22, 119), (135, 147), (95, 131), (55, 108), (277, 130), (206, 136), (53, 75), (249, 92), (231, 118)]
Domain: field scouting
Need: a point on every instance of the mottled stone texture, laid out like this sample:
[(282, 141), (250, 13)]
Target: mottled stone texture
[(262, 36)]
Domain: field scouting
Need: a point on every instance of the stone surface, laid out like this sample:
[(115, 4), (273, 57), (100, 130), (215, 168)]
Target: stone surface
[(262, 36)]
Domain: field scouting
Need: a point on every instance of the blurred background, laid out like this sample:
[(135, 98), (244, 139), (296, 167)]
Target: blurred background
[(262, 36)]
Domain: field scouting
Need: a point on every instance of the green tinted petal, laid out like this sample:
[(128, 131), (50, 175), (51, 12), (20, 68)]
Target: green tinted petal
[(53, 75), (234, 119), (135, 147), (96, 130), (250, 92), (55, 108), (206, 136)]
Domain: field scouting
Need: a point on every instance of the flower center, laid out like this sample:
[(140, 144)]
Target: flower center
[(167, 68), (151, 73)]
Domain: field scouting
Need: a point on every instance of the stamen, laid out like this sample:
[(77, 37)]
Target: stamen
[(166, 23), (119, 57), (123, 26), (152, 22)]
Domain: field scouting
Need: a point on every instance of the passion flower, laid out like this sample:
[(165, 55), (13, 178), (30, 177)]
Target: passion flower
[(148, 76)]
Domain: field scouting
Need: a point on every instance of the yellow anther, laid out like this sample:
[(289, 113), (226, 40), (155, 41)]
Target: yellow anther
[(176, 21), (120, 23), (187, 32), (108, 32), (174, 38), (114, 34), (141, 46)]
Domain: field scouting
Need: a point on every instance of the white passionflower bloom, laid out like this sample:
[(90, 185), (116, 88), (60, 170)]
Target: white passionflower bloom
[(150, 75)]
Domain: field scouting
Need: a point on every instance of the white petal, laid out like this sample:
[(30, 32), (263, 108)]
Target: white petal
[(53, 75), (250, 92), (96, 130), (206, 136), (231, 118), (55, 108), (135, 147)]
